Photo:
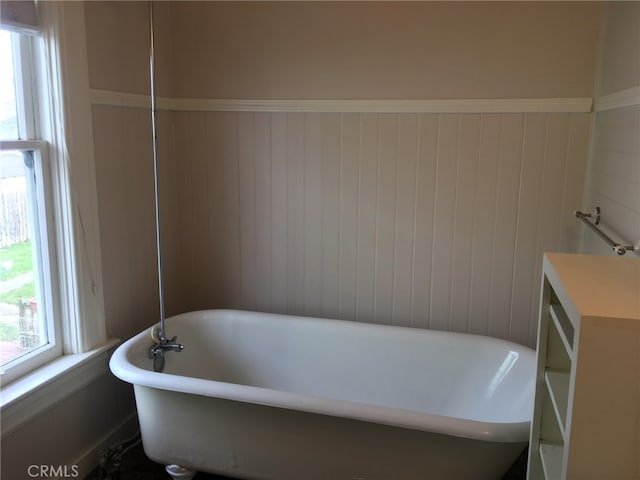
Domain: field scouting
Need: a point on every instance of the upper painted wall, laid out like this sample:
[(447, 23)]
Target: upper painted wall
[(385, 49), (621, 52), (118, 40)]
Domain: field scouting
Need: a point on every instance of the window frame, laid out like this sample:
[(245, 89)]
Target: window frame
[(62, 123), (27, 103), (27, 108), (47, 268)]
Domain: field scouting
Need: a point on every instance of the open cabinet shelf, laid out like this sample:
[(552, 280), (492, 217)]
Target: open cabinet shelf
[(557, 383), (587, 381), (551, 459)]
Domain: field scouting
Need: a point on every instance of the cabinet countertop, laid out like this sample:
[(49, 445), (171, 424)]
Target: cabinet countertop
[(598, 286)]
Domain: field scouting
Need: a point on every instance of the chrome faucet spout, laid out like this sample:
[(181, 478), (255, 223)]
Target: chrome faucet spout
[(156, 351)]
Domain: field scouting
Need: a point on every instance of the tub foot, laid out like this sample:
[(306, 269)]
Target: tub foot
[(180, 473)]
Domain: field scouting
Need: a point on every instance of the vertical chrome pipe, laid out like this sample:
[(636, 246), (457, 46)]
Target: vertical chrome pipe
[(154, 130), (161, 344)]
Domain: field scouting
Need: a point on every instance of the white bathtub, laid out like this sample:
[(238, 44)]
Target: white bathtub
[(262, 396)]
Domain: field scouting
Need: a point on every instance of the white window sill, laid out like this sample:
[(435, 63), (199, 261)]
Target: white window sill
[(37, 391)]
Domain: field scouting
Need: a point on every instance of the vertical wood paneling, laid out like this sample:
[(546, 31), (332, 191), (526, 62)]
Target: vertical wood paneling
[(426, 220), (573, 191), (247, 200), (465, 209), (526, 290), (196, 253), (313, 136), (385, 221), (140, 223), (427, 153), (204, 217), (295, 214), (181, 133), (482, 260), (554, 178), (112, 201), (404, 222), (510, 160), (201, 215), (224, 230), (349, 206), (330, 221), (278, 280), (263, 208), (443, 220), (170, 213), (367, 201)]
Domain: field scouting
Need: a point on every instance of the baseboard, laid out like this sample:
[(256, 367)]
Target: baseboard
[(90, 459)]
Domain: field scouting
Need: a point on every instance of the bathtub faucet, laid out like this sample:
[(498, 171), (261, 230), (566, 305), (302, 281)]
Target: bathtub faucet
[(161, 345)]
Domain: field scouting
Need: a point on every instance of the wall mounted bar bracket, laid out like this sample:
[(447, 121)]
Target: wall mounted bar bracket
[(593, 225)]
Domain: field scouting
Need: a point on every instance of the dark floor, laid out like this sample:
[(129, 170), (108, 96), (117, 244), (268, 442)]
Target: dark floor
[(136, 466)]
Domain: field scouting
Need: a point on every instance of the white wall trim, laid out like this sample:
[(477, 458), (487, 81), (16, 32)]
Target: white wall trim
[(121, 99), (498, 105), (73, 161), (624, 98)]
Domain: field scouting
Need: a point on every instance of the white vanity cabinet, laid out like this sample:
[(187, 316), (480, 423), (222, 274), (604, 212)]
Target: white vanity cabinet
[(586, 421)]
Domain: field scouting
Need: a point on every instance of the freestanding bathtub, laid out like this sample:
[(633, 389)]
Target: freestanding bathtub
[(263, 396)]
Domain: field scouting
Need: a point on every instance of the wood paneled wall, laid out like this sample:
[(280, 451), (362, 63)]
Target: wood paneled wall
[(415, 219), (124, 169), (614, 175), (434, 221), (614, 178)]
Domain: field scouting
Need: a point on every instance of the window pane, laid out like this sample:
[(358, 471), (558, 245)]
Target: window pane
[(22, 325), (8, 112)]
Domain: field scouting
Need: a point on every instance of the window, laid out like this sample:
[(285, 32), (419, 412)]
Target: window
[(46, 145), (29, 318)]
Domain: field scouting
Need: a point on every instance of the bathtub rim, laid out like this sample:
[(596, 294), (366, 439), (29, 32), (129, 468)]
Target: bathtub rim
[(123, 368)]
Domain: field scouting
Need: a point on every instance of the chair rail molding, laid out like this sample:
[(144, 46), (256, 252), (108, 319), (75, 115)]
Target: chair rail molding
[(497, 105)]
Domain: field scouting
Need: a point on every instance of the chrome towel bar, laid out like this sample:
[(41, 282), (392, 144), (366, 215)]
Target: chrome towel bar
[(615, 246)]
